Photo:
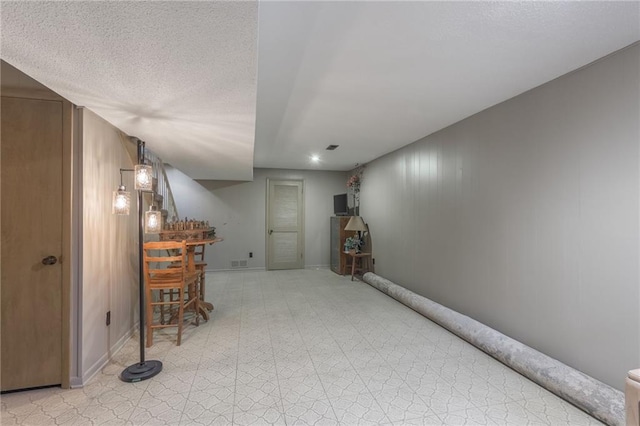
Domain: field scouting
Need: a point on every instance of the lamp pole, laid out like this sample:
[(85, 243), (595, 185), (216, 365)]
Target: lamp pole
[(143, 369)]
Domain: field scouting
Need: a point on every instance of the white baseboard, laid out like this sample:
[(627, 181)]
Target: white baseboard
[(263, 269), (234, 270), (316, 267), (104, 359)]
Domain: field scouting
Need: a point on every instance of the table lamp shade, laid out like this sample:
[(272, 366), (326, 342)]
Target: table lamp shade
[(356, 224)]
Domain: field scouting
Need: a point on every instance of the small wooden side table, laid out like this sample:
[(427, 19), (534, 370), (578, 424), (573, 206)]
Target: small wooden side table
[(358, 258)]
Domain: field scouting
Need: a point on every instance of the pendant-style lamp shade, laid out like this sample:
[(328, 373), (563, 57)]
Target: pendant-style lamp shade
[(121, 201), (152, 221), (356, 224), (143, 177)]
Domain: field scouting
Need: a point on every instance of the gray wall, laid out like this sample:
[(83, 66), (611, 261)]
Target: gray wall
[(525, 217), (109, 245), (237, 210)]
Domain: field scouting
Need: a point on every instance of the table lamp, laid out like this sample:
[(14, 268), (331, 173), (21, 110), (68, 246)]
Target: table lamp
[(357, 224)]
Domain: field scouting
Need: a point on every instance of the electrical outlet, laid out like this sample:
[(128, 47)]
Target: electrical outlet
[(108, 317), (250, 254)]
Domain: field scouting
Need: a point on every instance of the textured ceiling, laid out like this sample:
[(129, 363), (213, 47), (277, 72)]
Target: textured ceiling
[(179, 75), (201, 81)]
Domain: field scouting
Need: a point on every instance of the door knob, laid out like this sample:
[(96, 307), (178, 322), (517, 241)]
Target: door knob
[(270, 231), (49, 260)]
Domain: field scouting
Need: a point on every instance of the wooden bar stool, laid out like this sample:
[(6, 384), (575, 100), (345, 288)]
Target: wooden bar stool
[(176, 282), (200, 266), (195, 262)]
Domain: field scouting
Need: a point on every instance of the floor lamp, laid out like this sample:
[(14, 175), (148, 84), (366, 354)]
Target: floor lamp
[(144, 369)]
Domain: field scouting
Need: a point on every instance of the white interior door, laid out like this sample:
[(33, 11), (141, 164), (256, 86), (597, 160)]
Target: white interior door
[(285, 224)]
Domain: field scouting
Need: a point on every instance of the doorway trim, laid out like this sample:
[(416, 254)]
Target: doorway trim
[(67, 235)]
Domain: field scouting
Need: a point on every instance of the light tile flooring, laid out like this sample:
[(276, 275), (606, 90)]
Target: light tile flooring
[(302, 347)]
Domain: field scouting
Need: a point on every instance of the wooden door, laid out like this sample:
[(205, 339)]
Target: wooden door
[(285, 224), (32, 157)]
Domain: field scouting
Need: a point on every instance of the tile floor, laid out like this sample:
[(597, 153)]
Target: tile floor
[(302, 347)]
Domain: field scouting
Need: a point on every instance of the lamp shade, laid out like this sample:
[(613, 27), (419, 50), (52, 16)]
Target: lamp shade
[(356, 224), (152, 221), (143, 177), (121, 201)]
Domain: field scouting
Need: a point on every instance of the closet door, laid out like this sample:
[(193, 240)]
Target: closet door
[(32, 185)]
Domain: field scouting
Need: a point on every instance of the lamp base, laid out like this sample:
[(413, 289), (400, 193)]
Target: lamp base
[(141, 371)]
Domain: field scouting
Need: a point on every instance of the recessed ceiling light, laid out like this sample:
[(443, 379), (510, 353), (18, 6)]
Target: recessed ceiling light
[(315, 158)]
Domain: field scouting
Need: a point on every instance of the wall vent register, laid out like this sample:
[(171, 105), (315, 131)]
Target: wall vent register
[(239, 264)]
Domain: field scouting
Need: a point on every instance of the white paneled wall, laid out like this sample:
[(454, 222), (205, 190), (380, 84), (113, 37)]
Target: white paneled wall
[(526, 217), (109, 245), (237, 210)]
